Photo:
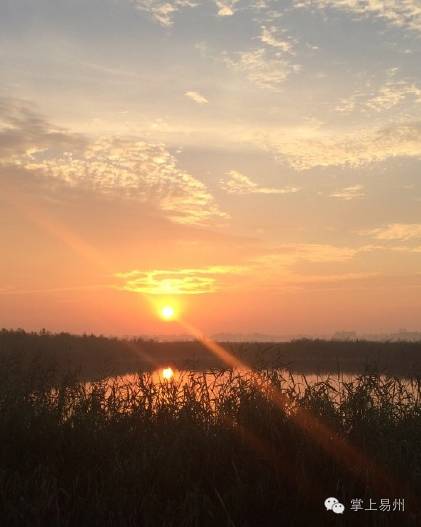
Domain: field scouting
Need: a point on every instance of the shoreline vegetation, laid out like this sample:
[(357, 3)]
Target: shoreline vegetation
[(231, 449), (227, 449), (98, 356)]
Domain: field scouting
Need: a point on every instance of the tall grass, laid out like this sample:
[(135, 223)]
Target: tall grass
[(222, 449)]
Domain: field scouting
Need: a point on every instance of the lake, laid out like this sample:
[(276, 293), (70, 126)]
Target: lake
[(334, 385)]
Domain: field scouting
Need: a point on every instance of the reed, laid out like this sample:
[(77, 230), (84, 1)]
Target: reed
[(228, 448)]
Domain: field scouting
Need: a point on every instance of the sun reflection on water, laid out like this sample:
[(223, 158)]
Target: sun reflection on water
[(167, 373)]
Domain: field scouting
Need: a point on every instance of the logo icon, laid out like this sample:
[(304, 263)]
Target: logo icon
[(332, 504), (338, 508)]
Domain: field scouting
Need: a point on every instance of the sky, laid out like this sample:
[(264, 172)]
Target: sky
[(256, 164)]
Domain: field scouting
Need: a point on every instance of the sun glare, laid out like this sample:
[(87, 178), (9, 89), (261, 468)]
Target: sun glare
[(168, 312), (167, 373)]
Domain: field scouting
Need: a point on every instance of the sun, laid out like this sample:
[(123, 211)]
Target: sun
[(168, 309), (168, 312)]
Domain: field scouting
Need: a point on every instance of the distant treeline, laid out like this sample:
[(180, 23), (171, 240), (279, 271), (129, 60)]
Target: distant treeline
[(92, 355)]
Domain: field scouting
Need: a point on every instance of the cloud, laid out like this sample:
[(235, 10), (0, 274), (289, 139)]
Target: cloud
[(196, 97), (238, 183), (163, 11), (176, 281), (273, 270), (330, 278), (296, 281), (291, 253), (16, 292), (261, 67), (306, 148), (349, 193), (270, 36), (391, 94), (118, 167), (269, 65), (282, 266), (24, 131), (400, 13), (226, 8), (134, 169), (396, 232)]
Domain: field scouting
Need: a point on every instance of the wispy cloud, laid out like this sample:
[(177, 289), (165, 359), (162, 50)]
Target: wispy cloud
[(291, 253), (396, 232), (47, 290), (134, 169), (401, 13), (391, 94), (394, 93), (196, 97), (226, 7), (335, 278), (261, 67), (306, 148), (162, 11), (197, 281), (238, 183), (349, 193), (23, 131), (118, 167), (273, 36), (273, 268), (282, 267)]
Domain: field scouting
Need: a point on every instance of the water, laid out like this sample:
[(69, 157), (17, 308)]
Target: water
[(335, 385)]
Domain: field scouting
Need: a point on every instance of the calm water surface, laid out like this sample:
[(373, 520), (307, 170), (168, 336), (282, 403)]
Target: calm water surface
[(214, 380)]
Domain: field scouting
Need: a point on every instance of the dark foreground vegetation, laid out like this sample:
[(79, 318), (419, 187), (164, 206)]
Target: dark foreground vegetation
[(250, 449), (98, 356)]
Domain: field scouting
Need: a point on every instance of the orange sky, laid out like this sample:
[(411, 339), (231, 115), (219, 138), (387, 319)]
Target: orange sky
[(259, 169)]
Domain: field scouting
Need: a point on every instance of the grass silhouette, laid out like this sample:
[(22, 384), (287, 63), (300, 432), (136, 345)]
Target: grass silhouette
[(204, 450)]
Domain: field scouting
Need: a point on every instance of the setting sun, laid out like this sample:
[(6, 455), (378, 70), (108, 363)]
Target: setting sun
[(168, 312)]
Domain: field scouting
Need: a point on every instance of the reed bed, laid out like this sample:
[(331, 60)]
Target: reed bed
[(219, 448)]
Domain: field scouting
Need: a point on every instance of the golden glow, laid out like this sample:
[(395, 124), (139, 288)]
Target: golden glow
[(167, 373), (168, 312), (182, 281), (167, 309)]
